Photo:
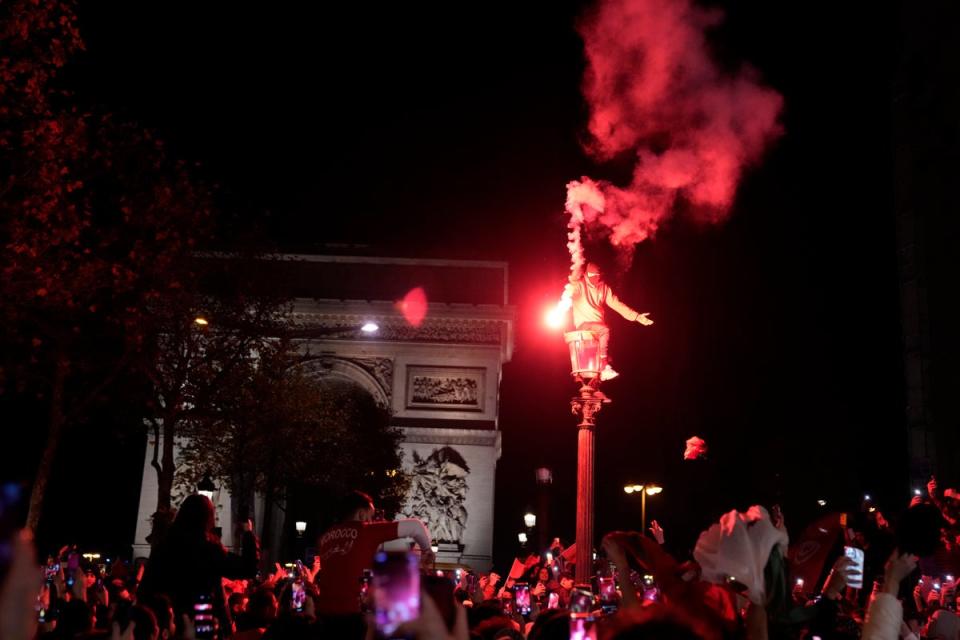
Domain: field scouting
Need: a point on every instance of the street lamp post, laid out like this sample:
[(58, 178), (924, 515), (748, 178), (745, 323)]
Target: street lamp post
[(644, 490), (585, 367)]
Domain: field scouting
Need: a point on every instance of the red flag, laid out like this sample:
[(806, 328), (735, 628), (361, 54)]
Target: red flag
[(570, 553), (809, 553)]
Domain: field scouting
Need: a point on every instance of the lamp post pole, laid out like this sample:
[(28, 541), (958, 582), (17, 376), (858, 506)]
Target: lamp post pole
[(585, 367), (643, 512), (585, 406)]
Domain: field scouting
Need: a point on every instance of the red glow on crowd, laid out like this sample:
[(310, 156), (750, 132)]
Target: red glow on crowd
[(414, 306)]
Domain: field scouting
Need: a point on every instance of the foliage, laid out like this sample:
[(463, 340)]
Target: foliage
[(282, 431)]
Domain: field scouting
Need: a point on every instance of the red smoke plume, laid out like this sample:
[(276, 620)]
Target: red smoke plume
[(654, 92)]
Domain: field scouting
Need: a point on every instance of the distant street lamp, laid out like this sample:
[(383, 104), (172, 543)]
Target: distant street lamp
[(370, 327), (301, 526), (530, 520), (522, 537), (206, 487), (644, 490)]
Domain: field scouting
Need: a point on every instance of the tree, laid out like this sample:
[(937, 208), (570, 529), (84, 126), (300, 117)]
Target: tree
[(283, 432), (97, 224), (206, 340)]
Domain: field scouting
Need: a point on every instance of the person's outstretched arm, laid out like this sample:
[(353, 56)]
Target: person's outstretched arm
[(413, 528)]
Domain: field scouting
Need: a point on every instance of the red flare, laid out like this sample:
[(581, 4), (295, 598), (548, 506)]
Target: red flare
[(414, 306)]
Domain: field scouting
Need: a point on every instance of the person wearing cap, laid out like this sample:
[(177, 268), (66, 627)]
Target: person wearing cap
[(589, 295)]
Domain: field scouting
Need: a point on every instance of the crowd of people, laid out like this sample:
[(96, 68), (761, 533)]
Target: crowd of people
[(881, 579)]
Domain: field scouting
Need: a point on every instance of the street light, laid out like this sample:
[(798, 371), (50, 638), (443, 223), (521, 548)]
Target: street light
[(370, 327), (522, 537), (644, 490), (530, 520), (301, 526), (206, 487)]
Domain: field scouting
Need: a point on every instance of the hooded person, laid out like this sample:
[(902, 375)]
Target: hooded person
[(589, 295)]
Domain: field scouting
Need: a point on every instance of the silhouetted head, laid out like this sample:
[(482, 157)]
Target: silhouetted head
[(195, 518), (357, 505)]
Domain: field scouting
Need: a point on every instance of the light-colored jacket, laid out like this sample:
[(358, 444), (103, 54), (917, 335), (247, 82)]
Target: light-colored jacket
[(884, 617), (588, 303)]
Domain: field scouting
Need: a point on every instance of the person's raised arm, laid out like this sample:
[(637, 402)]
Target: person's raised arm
[(618, 556), (885, 613), (235, 566), (413, 528)]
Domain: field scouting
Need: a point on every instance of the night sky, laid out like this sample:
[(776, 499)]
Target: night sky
[(450, 130)]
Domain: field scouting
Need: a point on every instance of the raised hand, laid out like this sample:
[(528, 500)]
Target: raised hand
[(657, 531), (898, 567), (644, 319), (844, 570)]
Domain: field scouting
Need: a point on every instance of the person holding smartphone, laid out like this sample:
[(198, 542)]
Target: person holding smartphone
[(348, 547), (190, 563)]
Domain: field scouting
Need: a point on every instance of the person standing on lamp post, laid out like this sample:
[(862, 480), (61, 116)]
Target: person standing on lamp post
[(589, 294)]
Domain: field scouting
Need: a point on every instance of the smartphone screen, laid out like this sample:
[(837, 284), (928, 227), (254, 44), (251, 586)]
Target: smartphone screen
[(521, 598), (581, 601), (51, 570), (583, 626), (396, 590), (470, 583), (298, 595), (553, 600), (856, 555), (203, 622)]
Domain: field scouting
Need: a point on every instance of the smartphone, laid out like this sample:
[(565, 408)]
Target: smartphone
[(51, 570), (581, 600), (583, 626), (521, 598), (73, 563), (856, 555), (365, 581), (608, 593), (298, 595), (203, 619), (470, 583), (396, 590), (553, 600)]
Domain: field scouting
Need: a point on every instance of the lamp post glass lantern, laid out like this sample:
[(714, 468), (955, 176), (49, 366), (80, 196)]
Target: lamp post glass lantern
[(530, 520), (301, 526), (522, 537)]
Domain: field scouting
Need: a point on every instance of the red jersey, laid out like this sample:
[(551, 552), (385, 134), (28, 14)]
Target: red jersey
[(345, 550)]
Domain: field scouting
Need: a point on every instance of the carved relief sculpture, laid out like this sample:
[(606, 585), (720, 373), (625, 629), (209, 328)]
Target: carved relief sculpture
[(438, 493)]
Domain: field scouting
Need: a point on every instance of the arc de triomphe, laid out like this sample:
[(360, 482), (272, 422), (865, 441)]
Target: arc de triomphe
[(440, 379)]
